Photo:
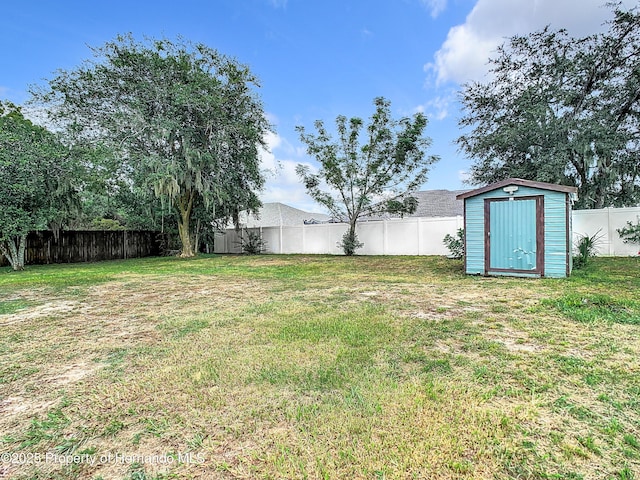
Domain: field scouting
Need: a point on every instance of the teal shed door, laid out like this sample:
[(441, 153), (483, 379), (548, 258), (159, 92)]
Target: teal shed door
[(514, 235)]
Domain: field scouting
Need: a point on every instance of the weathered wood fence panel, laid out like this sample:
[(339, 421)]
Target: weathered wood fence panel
[(90, 246)]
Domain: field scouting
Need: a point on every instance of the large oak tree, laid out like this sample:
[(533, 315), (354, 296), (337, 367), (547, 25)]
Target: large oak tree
[(561, 109), (182, 118)]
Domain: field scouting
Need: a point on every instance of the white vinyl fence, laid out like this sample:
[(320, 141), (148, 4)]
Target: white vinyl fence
[(418, 235), (604, 224)]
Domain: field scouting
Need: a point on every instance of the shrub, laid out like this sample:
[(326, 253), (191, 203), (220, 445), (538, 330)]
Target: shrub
[(630, 233), (106, 224), (586, 248), (455, 244), (350, 243), (252, 243)]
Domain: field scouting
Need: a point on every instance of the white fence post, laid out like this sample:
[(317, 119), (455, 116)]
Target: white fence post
[(610, 231), (304, 238), (385, 237)]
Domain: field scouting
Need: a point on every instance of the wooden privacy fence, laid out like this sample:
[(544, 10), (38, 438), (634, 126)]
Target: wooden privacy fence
[(91, 246)]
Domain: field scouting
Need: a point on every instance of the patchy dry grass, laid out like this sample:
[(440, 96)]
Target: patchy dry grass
[(318, 367)]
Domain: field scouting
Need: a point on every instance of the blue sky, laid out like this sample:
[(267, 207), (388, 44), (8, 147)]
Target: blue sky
[(315, 59)]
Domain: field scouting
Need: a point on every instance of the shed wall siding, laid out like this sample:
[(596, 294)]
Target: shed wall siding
[(555, 229), (474, 231), (555, 234)]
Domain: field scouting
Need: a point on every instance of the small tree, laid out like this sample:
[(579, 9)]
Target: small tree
[(377, 175), (630, 233), (35, 182), (455, 244)]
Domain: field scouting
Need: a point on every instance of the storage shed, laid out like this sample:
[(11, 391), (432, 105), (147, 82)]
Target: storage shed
[(518, 227)]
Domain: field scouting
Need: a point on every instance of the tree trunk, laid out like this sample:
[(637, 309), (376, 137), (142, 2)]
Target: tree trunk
[(350, 241), (185, 205), (185, 237), (14, 249), (196, 238), (352, 231)]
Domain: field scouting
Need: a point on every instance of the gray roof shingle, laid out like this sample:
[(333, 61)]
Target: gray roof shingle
[(278, 214), (431, 203), (438, 203)]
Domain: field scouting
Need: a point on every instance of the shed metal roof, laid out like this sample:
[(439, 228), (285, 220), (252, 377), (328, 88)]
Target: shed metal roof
[(520, 182)]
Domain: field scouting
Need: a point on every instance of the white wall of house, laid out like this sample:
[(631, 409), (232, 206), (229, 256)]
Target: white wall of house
[(420, 235)]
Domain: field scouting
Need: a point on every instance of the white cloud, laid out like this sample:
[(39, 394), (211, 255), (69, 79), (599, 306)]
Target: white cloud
[(462, 57), (436, 7), (278, 3), (463, 175), (282, 184), (294, 198), (438, 107), (271, 118), (464, 54), (267, 158), (38, 115)]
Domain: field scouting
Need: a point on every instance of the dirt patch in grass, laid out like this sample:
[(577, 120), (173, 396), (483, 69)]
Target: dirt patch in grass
[(52, 308), (21, 405), (514, 341)]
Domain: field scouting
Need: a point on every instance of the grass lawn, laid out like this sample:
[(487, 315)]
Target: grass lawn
[(318, 367)]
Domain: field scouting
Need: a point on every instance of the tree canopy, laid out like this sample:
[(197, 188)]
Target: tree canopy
[(113, 196), (36, 190), (181, 119), (364, 176), (563, 110)]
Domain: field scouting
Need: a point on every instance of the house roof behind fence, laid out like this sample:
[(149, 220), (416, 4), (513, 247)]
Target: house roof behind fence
[(431, 203), (438, 203), (278, 214)]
